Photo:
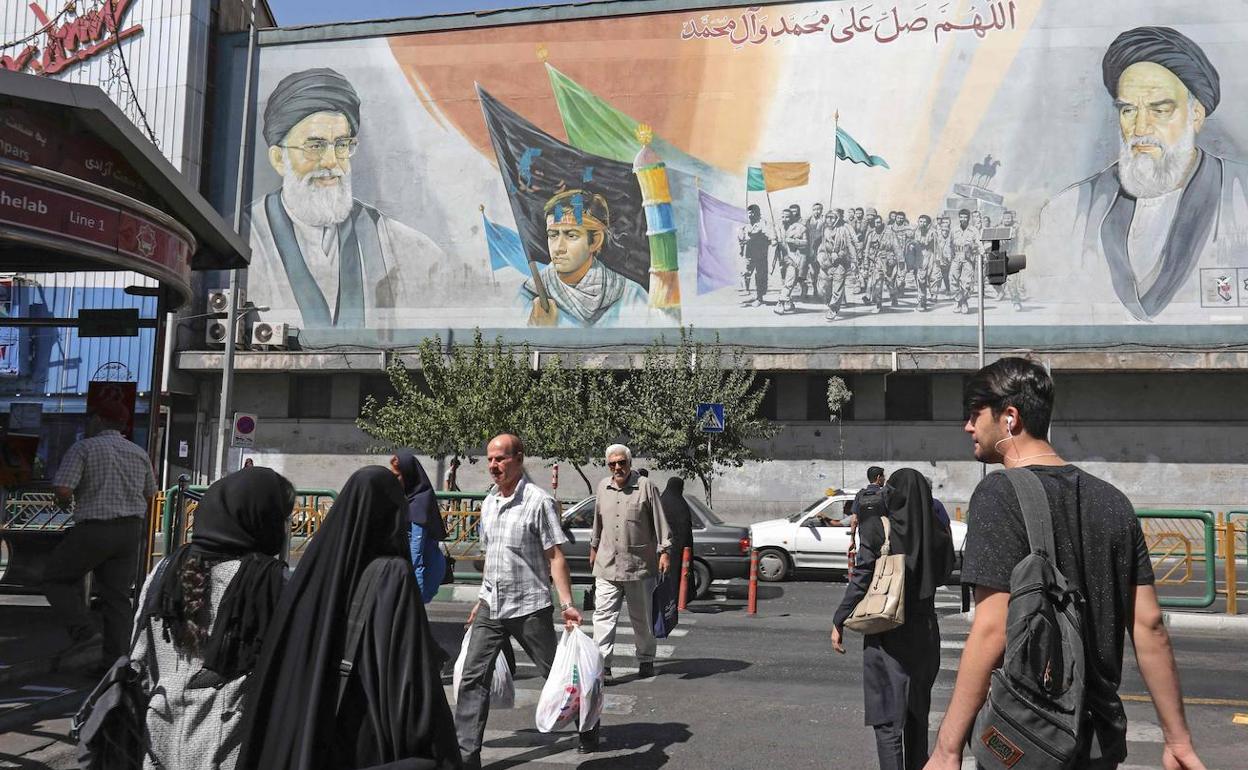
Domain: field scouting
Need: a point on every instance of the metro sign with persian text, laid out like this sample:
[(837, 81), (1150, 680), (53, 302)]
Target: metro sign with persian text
[(72, 41)]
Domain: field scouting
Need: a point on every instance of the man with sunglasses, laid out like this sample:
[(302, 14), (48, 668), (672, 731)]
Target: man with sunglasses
[(628, 547), (320, 257)]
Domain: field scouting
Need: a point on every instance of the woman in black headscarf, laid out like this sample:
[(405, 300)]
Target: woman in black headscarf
[(388, 709), (679, 519), (900, 666), (203, 618), (428, 531)]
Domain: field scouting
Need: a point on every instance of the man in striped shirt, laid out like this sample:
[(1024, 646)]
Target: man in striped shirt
[(109, 479), (521, 535)]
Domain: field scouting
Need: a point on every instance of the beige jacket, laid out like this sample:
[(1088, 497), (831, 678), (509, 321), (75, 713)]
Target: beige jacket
[(630, 530)]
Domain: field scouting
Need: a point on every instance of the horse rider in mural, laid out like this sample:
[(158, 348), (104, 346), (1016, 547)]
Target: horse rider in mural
[(1165, 206), (319, 257), (581, 289)]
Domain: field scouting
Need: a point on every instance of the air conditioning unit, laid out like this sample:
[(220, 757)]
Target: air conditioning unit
[(272, 336), (219, 301), (215, 331)]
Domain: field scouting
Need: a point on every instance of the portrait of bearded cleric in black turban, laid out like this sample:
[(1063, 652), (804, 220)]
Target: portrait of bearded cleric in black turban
[(1165, 208), (320, 258)]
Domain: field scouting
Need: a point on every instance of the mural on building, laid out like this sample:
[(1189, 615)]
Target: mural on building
[(816, 165)]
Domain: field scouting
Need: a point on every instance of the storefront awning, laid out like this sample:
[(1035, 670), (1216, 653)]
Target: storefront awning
[(82, 188)]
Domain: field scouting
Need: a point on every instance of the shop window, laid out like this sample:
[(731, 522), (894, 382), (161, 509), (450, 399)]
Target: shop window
[(311, 397), (908, 397)]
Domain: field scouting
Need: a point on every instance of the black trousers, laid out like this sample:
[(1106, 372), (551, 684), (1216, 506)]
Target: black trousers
[(109, 550), (536, 634), (902, 745)]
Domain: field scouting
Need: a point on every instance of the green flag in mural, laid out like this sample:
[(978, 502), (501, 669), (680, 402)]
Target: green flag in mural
[(849, 149), (593, 125), (754, 180)]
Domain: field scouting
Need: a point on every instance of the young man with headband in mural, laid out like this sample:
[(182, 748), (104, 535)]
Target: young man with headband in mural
[(582, 291)]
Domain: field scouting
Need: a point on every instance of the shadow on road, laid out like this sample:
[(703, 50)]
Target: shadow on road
[(655, 738), (700, 668)]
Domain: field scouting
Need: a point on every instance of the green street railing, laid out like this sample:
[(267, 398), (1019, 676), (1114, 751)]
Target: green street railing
[(1209, 555)]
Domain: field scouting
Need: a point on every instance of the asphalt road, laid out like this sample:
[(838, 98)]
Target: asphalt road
[(734, 691)]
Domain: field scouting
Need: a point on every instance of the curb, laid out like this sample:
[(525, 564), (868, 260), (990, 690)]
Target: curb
[(1180, 621), (1190, 621), (26, 669)]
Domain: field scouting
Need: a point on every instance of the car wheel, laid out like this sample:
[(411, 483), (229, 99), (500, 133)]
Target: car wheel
[(773, 565), (700, 580)]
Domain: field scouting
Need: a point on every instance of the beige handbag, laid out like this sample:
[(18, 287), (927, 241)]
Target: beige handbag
[(884, 606)]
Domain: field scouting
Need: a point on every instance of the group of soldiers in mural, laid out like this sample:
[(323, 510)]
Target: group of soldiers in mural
[(856, 255)]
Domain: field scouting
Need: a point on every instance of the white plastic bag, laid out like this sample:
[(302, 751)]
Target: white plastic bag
[(572, 694), (502, 688)]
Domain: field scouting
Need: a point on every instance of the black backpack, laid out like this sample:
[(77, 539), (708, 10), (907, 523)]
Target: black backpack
[(1035, 717), (871, 503), (110, 727)]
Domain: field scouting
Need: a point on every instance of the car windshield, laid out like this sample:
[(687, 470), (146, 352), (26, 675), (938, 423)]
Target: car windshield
[(807, 509), (706, 514), (581, 515)]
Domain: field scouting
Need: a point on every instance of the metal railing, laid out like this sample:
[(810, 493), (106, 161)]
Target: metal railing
[(172, 515), (1208, 556)]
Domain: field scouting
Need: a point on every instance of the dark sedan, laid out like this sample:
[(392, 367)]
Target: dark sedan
[(720, 550)]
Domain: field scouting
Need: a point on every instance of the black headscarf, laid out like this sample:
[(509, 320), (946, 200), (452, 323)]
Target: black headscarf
[(679, 517), (422, 500), (927, 545), (1167, 48), (242, 516), (305, 93), (395, 708)]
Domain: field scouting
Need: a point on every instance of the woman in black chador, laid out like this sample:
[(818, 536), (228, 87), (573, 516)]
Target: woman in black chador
[(900, 666), (384, 705)]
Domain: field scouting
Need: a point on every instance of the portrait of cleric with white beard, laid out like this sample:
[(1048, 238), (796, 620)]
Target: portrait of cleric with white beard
[(319, 257), (1147, 224)]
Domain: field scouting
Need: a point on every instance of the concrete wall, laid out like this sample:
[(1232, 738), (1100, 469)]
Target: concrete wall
[(1167, 440)]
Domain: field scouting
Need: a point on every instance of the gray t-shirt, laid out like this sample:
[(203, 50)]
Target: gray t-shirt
[(1100, 549)]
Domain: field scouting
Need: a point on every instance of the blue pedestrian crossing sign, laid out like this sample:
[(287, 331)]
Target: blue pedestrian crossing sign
[(711, 418)]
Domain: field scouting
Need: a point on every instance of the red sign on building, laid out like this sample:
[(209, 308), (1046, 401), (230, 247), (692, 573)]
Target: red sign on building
[(61, 214), (69, 38)]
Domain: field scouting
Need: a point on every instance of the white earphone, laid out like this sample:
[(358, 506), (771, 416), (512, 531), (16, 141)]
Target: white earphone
[(1009, 424)]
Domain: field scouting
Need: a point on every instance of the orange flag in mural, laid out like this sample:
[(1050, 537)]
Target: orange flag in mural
[(781, 176)]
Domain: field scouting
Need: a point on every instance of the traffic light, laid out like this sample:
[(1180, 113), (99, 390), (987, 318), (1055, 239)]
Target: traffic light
[(999, 265)]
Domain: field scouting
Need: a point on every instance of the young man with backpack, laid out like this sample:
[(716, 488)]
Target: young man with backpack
[(872, 499), (1101, 589)]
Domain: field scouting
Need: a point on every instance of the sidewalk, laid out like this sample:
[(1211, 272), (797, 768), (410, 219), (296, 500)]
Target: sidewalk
[(31, 641)]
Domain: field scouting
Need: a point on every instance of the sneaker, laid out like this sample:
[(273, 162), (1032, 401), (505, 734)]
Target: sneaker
[(589, 740), (606, 675), (830, 315), (645, 670)]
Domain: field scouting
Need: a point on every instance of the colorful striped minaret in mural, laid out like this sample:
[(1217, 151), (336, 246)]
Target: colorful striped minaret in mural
[(660, 226)]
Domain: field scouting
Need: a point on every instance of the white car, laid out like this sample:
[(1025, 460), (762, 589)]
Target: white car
[(817, 538)]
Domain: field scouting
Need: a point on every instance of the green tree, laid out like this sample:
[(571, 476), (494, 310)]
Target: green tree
[(839, 395), (570, 415), (457, 402), (660, 402)]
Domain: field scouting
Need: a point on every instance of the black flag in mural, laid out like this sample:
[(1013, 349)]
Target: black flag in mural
[(536, 167)]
